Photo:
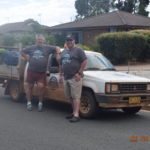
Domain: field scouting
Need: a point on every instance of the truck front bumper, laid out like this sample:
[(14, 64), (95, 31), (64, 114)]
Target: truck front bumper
[(122, 100)]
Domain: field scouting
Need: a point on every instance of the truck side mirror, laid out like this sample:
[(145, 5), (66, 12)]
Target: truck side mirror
[(54, 69)]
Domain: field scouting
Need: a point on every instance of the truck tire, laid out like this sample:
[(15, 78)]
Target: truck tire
[(14, 91), (131, 110), (88, 106)]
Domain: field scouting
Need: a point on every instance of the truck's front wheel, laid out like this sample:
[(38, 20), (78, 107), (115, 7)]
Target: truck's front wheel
[(14, 91), (131, 110), (88, 105)]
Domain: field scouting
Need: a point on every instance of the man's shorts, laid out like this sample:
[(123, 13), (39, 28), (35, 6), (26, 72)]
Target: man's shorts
[(36, 77), (73, 88)]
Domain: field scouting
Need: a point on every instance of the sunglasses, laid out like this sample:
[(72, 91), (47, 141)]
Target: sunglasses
[(69, 40)]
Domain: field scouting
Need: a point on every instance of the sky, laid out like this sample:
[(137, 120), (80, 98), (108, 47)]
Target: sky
[(46, 12)]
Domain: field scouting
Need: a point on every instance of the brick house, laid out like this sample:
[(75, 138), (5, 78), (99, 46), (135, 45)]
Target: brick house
[(87, 29), (20, 29)]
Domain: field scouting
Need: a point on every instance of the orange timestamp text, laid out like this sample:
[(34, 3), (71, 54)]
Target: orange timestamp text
[(143, 138)]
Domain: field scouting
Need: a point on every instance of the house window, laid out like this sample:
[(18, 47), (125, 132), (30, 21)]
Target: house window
[(112, 29)]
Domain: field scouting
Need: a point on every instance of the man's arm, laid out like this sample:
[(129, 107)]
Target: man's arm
[(57, 54), (60, 72), (82, 67), (25, 53), (79, 74), (58, 58), (83, 59)]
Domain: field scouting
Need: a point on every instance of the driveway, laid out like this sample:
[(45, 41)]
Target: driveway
[(137, 69)]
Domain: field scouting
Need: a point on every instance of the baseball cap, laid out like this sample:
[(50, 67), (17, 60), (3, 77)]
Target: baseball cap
[(70, 38)]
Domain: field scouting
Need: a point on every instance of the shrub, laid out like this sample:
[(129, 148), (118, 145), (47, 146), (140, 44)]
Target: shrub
[(84, 47), (120, 47), (2, 51), (145, 54)]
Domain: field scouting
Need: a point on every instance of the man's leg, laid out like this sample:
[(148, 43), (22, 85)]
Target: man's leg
[(76, 103), (72, 104), (76, 89), (41, 85), (67, 91), (28, 90), (41, 91), (28, 85)]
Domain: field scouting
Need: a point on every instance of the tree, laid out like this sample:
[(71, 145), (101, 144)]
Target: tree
[(27, 39), (87, 8), (142, 7), (132, 6), (60, 38), (50, 39), (37, 28), (8, 40), (125, 5)]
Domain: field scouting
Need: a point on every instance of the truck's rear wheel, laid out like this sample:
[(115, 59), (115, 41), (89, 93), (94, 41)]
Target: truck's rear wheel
[(88, 105), (14, 91), (131, 110)]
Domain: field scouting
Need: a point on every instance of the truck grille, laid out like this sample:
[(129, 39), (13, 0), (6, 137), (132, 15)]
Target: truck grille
[(133, 88)]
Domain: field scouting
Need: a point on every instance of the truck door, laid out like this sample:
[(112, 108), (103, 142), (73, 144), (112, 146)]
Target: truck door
[(54, 88)]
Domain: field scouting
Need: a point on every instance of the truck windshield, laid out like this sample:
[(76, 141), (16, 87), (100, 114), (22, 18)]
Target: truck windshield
[(98, 62)]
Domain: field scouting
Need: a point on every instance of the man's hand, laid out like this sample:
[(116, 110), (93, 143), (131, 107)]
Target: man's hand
[(27, 57), (47, 73), (61, 78), (77, 77)]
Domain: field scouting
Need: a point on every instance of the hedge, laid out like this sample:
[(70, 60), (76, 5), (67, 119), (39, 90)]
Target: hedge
[(146, 49), (2, 51), (121, 47)]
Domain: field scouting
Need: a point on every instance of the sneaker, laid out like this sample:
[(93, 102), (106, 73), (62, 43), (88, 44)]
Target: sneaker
[(29, 107), (40, 107), (69, 116), (74, 119)]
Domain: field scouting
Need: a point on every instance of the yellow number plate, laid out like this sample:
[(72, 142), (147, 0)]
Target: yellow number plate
[(134, 100)]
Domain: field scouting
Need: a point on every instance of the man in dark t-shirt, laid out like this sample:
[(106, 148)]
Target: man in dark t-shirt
[(37, 55), (73, 61)]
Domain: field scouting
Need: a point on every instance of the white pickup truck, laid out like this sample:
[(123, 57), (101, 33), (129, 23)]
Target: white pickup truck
[(103, 87)]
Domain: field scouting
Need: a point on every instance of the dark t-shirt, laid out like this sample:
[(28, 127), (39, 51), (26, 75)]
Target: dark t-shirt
[(71, 61), (39, 56)]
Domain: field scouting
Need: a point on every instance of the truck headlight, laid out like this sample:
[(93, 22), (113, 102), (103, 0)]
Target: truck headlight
[(112, 88), (108, 88), (148, 87)]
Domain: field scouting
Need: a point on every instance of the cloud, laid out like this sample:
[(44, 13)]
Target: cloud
[(48, 12)]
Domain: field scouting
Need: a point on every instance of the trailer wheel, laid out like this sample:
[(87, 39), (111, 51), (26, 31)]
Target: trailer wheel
[(14, 91), (88, 106), (132, 110)]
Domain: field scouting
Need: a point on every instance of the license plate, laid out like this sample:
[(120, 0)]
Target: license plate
[(134, 100)]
